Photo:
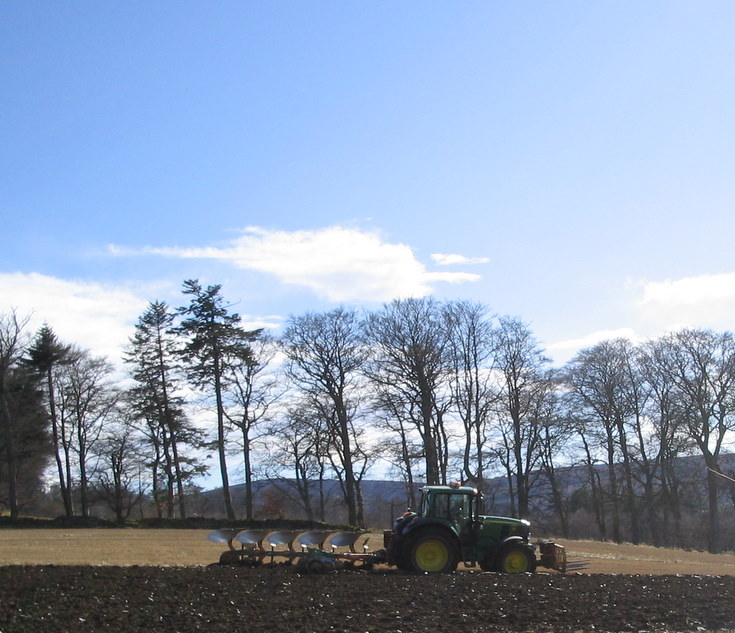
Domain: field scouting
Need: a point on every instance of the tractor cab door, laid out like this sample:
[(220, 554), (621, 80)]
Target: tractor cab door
[(457, 508), (453, 507)]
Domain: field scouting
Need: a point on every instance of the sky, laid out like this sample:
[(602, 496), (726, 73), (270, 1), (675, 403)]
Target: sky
[(569, 163)]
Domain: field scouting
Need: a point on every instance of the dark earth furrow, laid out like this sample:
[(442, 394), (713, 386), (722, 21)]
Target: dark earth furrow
[(275, 599)]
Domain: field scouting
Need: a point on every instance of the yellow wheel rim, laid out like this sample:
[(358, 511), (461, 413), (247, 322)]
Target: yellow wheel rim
[(515, 562), (432, 555)]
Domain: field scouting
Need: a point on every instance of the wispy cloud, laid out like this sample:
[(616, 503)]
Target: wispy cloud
[(336, 263), (445, 259)]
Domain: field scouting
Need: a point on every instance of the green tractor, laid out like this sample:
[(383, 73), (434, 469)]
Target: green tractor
[(449, 529)]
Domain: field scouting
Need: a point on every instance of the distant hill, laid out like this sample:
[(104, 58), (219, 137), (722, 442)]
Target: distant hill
[(384, 500)]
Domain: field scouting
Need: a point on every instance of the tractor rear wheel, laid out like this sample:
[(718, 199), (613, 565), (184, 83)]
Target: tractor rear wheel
[(433, 551), (516, 559)]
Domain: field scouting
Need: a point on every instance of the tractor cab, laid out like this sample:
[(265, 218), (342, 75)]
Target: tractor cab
[(455, 504), (453, 507)]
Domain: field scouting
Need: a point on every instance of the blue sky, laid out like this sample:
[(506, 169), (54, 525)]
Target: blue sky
[(569, 163)]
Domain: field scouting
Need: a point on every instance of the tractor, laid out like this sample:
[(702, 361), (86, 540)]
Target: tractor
[(448, 529)]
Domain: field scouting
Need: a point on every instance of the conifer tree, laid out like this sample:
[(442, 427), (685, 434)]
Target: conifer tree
[(44, 356), (152, 357), (212, 335)]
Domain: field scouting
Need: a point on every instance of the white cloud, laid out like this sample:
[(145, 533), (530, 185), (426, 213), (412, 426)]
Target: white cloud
[(452, 278), (705, 301), (445, 259), (337, 263), (268, 322), (562, 351), (92, 315), (657, 307), (700, 290)]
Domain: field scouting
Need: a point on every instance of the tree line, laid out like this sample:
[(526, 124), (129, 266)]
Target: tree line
[(438, 391)]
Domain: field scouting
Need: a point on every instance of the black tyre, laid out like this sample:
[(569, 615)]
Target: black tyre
[(229, 557), (433, 551), (403, 563), (486, 565), (516, 559)]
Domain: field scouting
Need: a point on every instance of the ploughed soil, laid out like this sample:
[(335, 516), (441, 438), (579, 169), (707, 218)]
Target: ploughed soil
[(281, 599)]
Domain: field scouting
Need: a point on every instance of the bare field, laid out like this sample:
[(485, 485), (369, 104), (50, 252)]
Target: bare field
[(190, 547), (107, 547), (162, 581), (609, 558)]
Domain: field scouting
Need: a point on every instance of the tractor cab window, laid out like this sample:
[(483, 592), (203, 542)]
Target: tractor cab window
[(459, 509), (452, 507), (426, 509)]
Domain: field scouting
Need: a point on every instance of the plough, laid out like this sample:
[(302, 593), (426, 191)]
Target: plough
[(312, 551), (447, 529)]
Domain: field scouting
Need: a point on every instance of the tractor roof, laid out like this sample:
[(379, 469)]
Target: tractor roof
[(452, 488)]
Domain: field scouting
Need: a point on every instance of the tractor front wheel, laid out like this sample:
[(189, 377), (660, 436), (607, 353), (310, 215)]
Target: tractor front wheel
[(516, 560), (433, 551)]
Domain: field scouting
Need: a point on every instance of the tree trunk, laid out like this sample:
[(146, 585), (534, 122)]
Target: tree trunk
[(221, 451), (613, 486), (342, 432), (248, 474), (431, 457), (630, 499), (713, 532), (168, 469), (65, 492), (11, 459), (179, 477), (558, 500)]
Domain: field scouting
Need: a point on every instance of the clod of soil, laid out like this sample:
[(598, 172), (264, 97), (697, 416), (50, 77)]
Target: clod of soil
[(278, 598)]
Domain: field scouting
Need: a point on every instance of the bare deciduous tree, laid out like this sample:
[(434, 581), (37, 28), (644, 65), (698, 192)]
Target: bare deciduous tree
[(252, 392), (411, 364), (12, 347), (325, 358), (701, 364), (115, 476), (88, 397), (471, 346), (522, 385)]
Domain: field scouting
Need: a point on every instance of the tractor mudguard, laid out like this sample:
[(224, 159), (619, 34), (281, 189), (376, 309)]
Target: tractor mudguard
[(420, 523)]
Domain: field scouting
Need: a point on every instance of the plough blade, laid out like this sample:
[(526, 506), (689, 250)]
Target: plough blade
[(345, 539), (251, 537), (283, 537), (223, 535), (313, 538)]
